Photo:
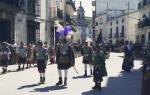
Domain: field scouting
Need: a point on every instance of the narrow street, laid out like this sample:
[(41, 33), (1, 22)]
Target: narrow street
[(116, 83)]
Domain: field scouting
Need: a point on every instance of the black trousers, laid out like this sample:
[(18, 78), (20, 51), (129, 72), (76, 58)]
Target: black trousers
[(4, 62), (41, 65), (97, 76)]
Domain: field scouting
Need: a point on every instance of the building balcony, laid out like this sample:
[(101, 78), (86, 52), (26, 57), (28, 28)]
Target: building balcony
[(70, 7), (143, 3), (68, 19), (121, 34), (12, 5), (110, 36), (59, 13), (144, 23), (116, 35)]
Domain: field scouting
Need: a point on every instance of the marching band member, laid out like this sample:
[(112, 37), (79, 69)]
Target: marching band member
[(41, 55), (64, 52), (87, 57), (4, 57), (99, 70), (22, 52)]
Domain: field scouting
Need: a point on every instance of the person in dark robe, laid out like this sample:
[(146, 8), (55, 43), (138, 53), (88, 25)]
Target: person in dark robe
[(64, 59), (128, 62), (146, 72), (99, 70)]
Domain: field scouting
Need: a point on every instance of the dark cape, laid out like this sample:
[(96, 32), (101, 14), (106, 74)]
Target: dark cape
[(65, 61), (128, 63)]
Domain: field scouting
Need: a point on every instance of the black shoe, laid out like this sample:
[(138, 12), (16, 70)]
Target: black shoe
[(91, 72), (18, 69), (85, 75), (94, 87), (60, 81), (99, 86), (65, 82), (3, 72), (23, 67), (43, 80)]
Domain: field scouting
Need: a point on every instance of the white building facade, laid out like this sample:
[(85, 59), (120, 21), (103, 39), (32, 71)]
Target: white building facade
[(32, 20), (123, 28), (112, 20), (118, 27), (27, 22)]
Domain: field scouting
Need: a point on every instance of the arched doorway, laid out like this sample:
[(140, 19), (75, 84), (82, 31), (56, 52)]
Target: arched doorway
[(5, 30)]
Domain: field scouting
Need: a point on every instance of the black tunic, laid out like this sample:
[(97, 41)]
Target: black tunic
[(64, 57)]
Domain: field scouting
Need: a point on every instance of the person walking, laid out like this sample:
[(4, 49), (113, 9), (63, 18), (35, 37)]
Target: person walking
[(99, 71), (128, 62), (30, 55), (52, 55), (46, 48), (146, 72), (22, 53), (64, 59), (4, 57), (87, 51), (41, 56)]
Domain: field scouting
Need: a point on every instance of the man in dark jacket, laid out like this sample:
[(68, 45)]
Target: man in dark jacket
[(64, 59)]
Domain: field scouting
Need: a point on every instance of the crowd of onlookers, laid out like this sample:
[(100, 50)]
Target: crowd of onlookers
[(24, 55), (27, 52)]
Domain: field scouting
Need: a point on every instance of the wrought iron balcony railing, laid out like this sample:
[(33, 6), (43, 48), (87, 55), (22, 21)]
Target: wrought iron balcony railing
[(143, 3), (121, 34), (116, 35), (68, 19), (59, 13), (20, 4), (110, 35), (144, 23)]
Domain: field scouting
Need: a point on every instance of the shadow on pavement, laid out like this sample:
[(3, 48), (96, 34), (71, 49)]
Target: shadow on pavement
[(92, 92), (28, 86), (121, 56), (135, 58), (77, 77), (49, 88), (124, 84)]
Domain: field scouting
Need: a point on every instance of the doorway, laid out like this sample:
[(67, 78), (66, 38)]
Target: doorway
[(5, 31)]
